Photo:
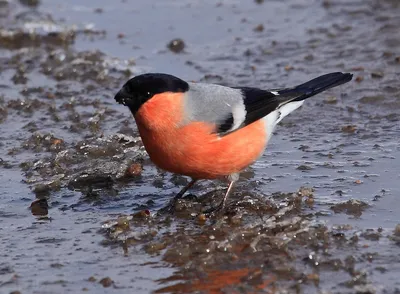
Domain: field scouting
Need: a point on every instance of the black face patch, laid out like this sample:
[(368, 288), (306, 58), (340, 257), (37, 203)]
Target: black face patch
[(141, 88)]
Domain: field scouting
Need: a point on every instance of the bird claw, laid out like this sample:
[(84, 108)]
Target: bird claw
[(171, 206), (214, 211)]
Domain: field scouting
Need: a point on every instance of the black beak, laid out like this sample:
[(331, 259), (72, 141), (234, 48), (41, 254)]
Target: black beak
[(129, 99), (122, 96)]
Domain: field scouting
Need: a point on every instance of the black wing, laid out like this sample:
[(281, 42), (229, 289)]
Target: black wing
[(259, 103)]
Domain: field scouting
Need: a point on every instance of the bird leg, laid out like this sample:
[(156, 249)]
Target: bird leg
[(183, 191), (221, 206), (170, 207)]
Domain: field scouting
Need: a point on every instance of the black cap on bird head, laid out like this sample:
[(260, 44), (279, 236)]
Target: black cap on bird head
[(141, 88)]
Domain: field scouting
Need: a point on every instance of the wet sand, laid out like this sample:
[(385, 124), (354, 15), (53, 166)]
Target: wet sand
[(318, 213)]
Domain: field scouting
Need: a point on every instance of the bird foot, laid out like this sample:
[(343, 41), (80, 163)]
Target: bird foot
[(171, 207), (214, 211)]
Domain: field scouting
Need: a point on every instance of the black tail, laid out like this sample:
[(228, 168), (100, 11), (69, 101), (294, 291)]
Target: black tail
[(316, 86)]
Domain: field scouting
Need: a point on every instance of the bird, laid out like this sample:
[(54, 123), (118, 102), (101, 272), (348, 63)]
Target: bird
[(211, 131)]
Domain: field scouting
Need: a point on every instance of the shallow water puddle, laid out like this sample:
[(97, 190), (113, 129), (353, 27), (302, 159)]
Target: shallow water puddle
[(70, 149)]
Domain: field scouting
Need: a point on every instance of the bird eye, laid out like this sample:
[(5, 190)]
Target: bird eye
[(148, 94)]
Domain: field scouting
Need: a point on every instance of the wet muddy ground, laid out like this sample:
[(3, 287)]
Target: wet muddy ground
[(80, 200)]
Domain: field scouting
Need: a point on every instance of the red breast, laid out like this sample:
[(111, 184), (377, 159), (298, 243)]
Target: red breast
[(193, 149)]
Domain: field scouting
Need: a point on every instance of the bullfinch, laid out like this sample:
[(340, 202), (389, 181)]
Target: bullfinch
[(209, 131)]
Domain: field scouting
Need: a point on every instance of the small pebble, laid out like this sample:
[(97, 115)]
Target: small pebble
[(310, 201), (259, 28), (304, 167), (397, 230), (142, 214), (134, 169), (377, 75), (313, 277), (331, 100), (176, 45), (106, 282), (359, 79), (306, 192), (39, 207), (201, 218), (289, 67), (349, 129)]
